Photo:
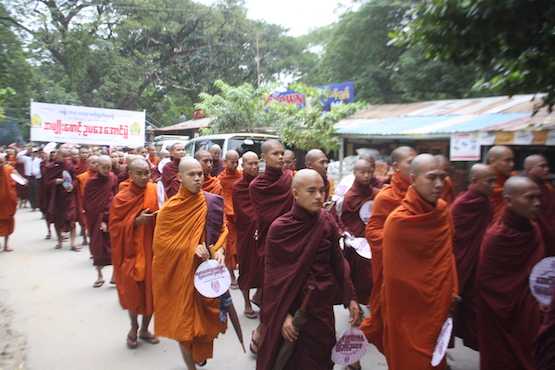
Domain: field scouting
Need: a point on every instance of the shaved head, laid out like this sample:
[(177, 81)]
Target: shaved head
[(402, 153), (318, 161), (443, 161), (191, 174), (231, 160), (482, 179), (231, 154), (269, 145), (428, 178), (536, 167), (139, 171), (401, 159), (364, 172), (480, 170), (206, 160), (250, 164), (522, 196), (272, 154), (137, 162), (422, 163), (289, 160), (104, 165), (501, 159), (308, 190)]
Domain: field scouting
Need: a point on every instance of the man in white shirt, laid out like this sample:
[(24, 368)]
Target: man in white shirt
[(34, 179)]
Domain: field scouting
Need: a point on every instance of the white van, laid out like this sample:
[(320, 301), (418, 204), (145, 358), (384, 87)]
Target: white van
[(241, 142)]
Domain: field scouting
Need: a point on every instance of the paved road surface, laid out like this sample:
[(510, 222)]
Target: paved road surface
[(71, 326)]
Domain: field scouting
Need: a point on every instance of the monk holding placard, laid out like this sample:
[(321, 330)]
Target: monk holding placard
[(420, 277), (508, 315), (189, 229), (303, 259)]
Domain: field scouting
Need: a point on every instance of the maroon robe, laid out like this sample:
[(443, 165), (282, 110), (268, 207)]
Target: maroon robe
[(62, 205), (169, 177), (472, 215), (98, 196), (250, 263), (44, 193), (361, 268), (271, 196), (121, 173), (302, 250), (545, 343), (217, 168), (508, 314), (546, 219)]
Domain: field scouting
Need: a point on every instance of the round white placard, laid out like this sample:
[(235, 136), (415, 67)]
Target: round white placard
[(212, 279), (366, 211), (542, 280), (442, 342), (18, 178), (350, 348)]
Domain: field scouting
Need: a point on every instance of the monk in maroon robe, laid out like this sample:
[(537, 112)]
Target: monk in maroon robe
[(82, 164), (502, 160), (318, 161), (62, 207), (536, 168), (217, 163), (99, 192), (508, 315), (171, 169), (271, 196), (472, 215), (44, 191), (245, 223), (545, 343), (289, 161), (359, 194), (302, 256)]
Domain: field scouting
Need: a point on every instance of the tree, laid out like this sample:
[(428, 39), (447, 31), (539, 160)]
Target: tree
[(510, 41)]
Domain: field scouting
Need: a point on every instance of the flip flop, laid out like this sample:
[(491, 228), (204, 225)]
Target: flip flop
[(76, 249), (251, 314), (149, 338), (48, 237), (98, 283), (132, 343), (202, 364), (58, 246), (253, 346), (234, 286)]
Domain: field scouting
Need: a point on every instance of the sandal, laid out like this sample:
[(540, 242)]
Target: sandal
[(58, 246), (149, 338), (253, 346), (98, 283), (75, 249), (132, 343), (202, 364), (252, 314)]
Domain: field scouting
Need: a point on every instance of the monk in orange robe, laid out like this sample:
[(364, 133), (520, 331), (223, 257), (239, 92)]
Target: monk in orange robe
[(153, 158), (289, 161), (536, 168), (82, 179), (211, 183), (420, 285), (449, 190), (189, 229), (170, 180), (501, 159), (227, 178), (385, 202), (509, 317), (8, 202), (317, 160), (131, 226)]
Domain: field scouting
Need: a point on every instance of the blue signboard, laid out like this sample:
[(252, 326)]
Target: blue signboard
[(338, 93), (289, 97)]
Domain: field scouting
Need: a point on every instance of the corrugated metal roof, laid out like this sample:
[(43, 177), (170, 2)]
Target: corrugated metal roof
[(444, 117)]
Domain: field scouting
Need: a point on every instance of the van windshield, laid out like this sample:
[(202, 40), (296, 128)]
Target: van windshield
[(206, 144), (243, 144)]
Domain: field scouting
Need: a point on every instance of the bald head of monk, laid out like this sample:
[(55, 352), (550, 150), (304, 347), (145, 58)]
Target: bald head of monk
[(289, 160), (231, 160), (139, 171), (401, 159), (318, 161), (104, 165), (272, 153), (84, 153), (443, 162), (308, 190), (216, 152), (206, 161), (62, 154), (536, 167), (75, 154), (131, 157), (177, 150), (522, 196), (482, 178), (428, 178), (191, 174), (92, 161), (250, 163), (364, 171), (501, 159)]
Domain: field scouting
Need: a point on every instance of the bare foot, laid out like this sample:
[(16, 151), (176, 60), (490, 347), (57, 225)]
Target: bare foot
[(8, 249), (148, 337), (75, 249), (98, 283), (132, 342)]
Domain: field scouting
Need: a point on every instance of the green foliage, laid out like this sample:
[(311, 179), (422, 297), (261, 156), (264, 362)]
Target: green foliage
[(510, 41)]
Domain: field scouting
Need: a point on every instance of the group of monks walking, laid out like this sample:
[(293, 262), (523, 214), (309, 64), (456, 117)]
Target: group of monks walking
[(402, 253)]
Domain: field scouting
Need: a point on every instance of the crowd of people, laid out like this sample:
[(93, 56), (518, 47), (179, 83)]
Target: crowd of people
[(402, 253)]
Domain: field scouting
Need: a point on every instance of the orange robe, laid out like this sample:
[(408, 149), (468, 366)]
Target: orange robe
[(420, 281), (181, 313), (385, 202), (212, 185), (8, 201), (124, 184), (227, 180), (496, 197), (132, 247), (448, 191)]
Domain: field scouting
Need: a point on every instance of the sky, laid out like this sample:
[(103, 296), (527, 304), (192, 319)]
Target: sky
[(299, 16)]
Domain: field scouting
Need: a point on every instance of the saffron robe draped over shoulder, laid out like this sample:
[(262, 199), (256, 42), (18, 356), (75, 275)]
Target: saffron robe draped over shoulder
[(420, 281), (302, 249), (169, 177), (385, 202), (62, 206), (181, 313), (508, 315), (472, 215), (361, 268), (448, 191), (251, 267), (132, 247), (212, 185), (8, 201), (227, 179), (99, 192)]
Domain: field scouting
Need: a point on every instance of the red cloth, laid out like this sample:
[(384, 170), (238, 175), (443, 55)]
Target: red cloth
[(546, 219), (169, 177), (212, 185), (496, 197), (545, 343), (302, 249), (251, 267), (385, 202), (361, 268), (132, 247), (99, 192), (81, 166), (22, 190), (508, 315), (472, 215), (227, 178), (217, 168), (44, 192), (8, 201), (62, 206), (420, 281), (448, 191)]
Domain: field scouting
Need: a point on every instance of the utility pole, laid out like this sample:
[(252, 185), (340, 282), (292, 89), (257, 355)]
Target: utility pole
[(257, 59)]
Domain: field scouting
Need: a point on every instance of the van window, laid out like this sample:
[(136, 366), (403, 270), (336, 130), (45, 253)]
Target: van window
[(207, 143), (190, 148), (243, 144)]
